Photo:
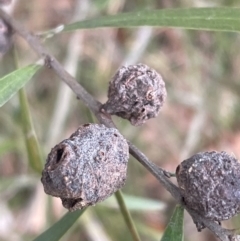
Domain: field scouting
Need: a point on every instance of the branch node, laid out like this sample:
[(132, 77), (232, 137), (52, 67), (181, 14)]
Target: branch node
[(169, 174), (48, 61)]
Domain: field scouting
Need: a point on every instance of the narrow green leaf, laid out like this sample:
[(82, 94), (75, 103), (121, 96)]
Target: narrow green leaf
[(220, 19), (55, 232), (174, 230), (11, 83)]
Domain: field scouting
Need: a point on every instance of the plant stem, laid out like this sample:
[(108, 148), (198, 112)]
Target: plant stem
[(33, 150), (126, 215)]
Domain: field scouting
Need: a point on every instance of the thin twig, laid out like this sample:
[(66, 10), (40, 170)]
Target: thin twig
[(94, 106)]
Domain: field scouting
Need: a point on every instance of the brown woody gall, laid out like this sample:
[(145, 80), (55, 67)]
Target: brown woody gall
[(86, 168), (210, 184), (136, 93)]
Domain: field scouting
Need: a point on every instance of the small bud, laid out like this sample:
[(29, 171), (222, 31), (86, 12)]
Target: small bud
[(5, 37), (86, 168), (136, 93), (210, 184)]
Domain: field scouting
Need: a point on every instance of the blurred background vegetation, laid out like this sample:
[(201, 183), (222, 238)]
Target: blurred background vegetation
[(201, 71)]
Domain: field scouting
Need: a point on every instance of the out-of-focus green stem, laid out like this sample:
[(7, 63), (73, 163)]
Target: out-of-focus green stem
[(33, 150), (126, 215)]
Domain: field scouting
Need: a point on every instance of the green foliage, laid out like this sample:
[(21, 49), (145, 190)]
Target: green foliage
[(221, 19), (11, 83), (55, 232), (174, 230)]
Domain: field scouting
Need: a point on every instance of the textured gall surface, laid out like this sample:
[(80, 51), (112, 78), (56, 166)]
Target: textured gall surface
[(136, 93), (88, 167), (210, 184)]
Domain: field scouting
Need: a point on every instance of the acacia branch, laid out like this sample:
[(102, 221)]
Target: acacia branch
[(104, 118)]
